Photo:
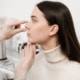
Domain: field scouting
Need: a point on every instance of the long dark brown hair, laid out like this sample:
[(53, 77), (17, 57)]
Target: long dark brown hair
[(58, 13)]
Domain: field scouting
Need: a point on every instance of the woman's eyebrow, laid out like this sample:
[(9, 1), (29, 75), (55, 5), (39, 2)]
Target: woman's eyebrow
[(33, 16)]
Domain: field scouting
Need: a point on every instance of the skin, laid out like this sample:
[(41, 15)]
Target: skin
[(38, 31)]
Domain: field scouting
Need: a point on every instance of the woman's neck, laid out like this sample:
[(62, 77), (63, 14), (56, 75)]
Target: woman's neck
[(48, 45)]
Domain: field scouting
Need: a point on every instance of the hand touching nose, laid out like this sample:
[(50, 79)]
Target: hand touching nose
[(11, 27)]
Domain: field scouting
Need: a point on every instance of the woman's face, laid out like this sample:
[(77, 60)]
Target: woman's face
[(37, 27)]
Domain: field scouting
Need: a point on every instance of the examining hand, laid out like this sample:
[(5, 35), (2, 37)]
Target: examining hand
[(27, 59), (11, 28)]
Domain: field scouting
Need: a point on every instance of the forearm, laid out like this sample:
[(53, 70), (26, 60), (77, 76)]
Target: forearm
[(20, 77)]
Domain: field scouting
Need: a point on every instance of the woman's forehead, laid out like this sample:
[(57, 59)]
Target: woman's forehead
[(36, 12)]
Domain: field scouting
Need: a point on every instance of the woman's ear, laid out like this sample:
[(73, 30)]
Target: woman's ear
[(54, 29)]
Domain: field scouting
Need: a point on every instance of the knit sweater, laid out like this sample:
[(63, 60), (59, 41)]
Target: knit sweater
[(54, 65)]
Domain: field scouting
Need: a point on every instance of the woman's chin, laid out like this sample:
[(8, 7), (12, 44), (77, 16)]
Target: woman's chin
[(31, 41)]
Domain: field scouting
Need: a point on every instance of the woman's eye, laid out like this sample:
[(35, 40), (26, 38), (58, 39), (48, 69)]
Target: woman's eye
[(34, 20)]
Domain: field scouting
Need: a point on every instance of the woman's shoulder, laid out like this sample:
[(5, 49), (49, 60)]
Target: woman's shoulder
[(73, 67), (70, 70), (74, 64)]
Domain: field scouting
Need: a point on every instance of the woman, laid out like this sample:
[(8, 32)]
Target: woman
[(51, 26)]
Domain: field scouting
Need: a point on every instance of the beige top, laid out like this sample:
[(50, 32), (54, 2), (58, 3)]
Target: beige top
[(53, 65)]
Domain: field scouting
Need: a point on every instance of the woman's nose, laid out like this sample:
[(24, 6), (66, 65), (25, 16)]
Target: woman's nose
[(27, 26)]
